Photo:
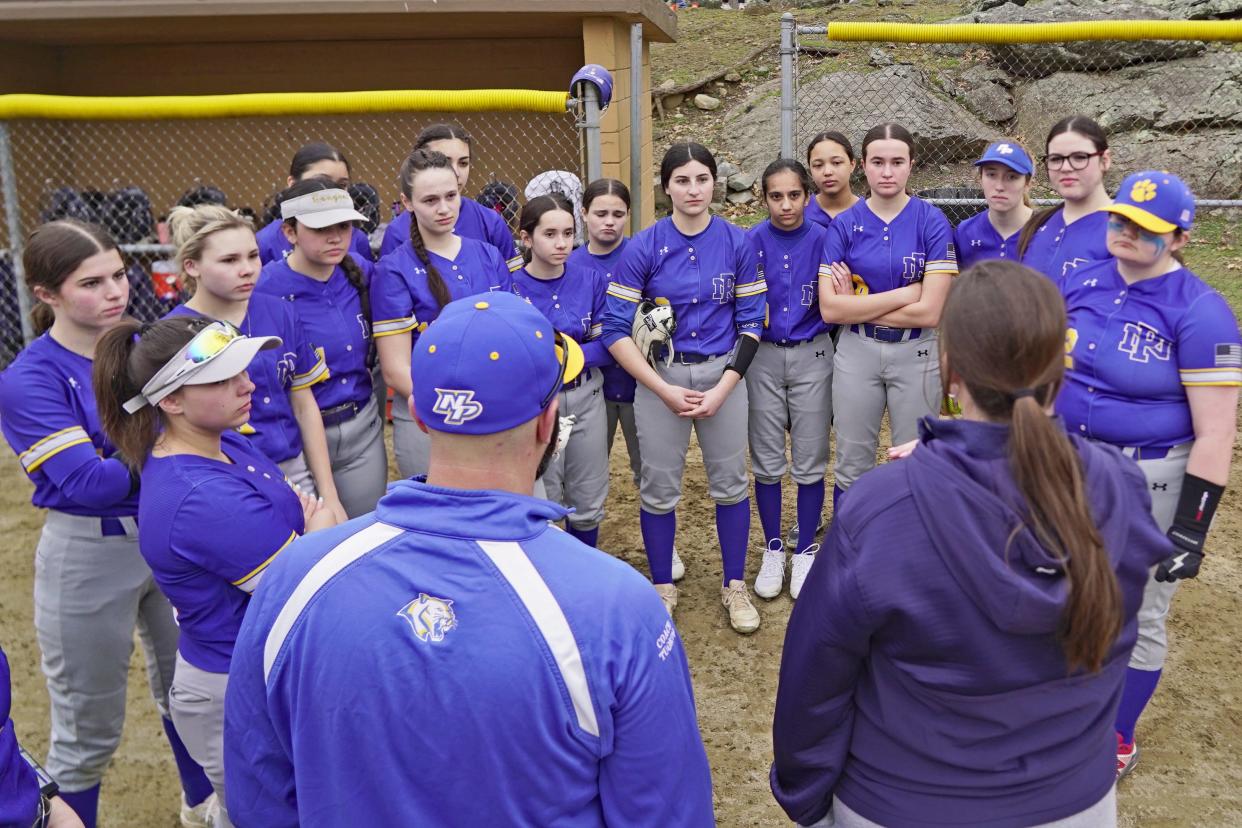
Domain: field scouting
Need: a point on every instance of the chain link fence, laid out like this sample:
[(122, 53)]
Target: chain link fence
[(1171, 104), (127, 174)]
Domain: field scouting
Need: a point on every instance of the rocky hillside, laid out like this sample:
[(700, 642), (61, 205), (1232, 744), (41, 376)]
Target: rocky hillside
[(1173, 105)]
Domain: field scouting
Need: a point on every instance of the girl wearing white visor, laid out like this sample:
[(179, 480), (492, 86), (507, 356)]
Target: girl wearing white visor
[(213, 510), (330, 291)]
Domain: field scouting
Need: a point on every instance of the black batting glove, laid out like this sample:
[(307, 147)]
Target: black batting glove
[(1195, 508), (1184, 563)]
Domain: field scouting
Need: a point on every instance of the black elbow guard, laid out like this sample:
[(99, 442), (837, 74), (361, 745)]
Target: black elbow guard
[(1195, 509), (747, 347)]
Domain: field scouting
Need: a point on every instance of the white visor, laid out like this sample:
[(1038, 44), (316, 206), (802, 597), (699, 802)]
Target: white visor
[(217, 352), (320, 209)]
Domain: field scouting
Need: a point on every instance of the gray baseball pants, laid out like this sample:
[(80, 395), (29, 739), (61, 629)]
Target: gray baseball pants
[(359, 461), (791, 389), (1102, 814), (197, 702), (1164, 483), (622, 413), (869, 376), (578, 478), (89, 591), (665, 438), (299, 474), (411, 446)]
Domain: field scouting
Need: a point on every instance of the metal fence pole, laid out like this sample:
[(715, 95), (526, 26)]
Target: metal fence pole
[(788, 105), (590, 97), (12, 213), (637, 179)]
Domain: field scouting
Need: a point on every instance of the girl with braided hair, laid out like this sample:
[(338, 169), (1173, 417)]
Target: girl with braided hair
[(474, 221), (331, 291), (417, 279)]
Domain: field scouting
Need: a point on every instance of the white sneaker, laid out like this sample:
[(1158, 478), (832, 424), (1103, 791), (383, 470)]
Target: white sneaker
[(668, 594), (801, 566), (771, 577), (679, 568), (791, 540), (743, 617), (202, 815)]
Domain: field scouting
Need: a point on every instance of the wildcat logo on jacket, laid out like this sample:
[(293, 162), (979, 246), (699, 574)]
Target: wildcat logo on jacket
[(429, 617)]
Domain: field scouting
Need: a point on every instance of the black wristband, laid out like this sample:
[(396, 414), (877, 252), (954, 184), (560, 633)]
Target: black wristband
[(1196, 506), (747, 347)]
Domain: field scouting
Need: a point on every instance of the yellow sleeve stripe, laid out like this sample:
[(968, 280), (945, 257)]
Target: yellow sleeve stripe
[(825, 271), (618, 292), (515, 264), (52, 436), (318, 373), (52, 445), (752, 289), (388, 327), (941, 266), (250, 580), (1211, 376)]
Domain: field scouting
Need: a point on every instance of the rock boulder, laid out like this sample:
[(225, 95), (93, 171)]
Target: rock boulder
[(1037, 60), (942, 128)]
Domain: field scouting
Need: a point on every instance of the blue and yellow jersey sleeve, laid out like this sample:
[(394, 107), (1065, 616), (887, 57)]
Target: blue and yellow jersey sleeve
[(749, 292), (625, 290), (311, 367), (941, 256), (1209, 348), (392, 303)]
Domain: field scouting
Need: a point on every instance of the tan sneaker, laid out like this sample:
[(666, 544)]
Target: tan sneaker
[(668, 594), (202, 815), (743, 616)]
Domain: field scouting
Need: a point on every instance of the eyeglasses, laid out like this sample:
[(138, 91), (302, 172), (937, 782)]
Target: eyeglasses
[(1076, 160), (562, 360)]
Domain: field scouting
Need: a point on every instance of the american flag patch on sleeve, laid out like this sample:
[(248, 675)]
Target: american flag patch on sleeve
[(1228, 355)]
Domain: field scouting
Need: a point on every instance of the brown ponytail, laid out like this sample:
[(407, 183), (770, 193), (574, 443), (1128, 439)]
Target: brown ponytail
[(52, 253), (126, 357), (419, 160), (1003, 331)]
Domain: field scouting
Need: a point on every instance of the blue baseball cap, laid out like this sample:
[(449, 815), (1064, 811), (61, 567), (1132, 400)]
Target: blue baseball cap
[(1155, 200), (489, 363), (599, 76), (1009, 154)]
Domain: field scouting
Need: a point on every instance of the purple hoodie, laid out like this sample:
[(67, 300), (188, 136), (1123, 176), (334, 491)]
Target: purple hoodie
[(922, 681)]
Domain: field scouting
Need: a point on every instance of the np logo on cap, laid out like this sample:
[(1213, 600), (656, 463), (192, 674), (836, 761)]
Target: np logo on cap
[(1010, 155), (489, 363), (1157, 201), (322, 208)]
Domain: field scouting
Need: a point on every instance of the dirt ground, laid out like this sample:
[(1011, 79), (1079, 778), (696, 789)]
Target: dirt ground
[(1191, 735)]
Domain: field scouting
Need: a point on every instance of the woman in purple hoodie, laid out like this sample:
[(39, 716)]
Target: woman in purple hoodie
[(957, 653)]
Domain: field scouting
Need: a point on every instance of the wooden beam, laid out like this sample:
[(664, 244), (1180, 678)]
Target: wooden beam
[(659, 23)]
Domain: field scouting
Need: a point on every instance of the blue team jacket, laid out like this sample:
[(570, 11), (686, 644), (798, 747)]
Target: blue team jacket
[(455, 660)]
